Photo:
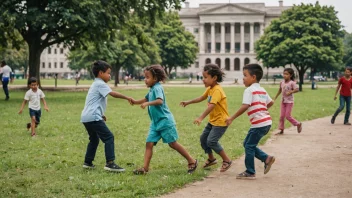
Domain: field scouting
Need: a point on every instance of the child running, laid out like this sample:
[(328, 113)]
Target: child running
[(93, 117), (345, 83), (34, 95), (217, 110), (287, 87), (162, 124), (257, 101)]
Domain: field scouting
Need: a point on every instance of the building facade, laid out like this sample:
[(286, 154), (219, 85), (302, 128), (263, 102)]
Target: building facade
[(226, 33)]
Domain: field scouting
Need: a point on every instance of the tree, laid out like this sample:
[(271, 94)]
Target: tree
[(307, 36), (47, 22), (347, 59), (177, 47)]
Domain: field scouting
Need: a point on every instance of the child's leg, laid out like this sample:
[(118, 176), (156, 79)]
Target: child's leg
[(282, 116), (348, 106), (108, 138), (148, 154), (342, 105), (203, 141), (250, 144), (93, 142), (33, 125), (180, 149), (213, 141), (288, 115)]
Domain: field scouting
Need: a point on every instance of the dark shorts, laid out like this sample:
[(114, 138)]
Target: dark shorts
[(36, 114)]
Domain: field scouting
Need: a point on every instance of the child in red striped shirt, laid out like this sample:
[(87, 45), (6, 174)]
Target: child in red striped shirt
[(257, 101)]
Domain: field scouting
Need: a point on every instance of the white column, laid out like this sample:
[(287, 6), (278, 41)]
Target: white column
[(262, 27), (232, 38), (251, 44), (222, 38), (201, 38), (242, 37), (213, 38)]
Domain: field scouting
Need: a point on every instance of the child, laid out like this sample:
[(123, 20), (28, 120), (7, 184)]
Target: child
[(162, 121), (94, 120), (5, 78), (288, 87), (34, 95), (217, 110), (345, 96), (257, 101)]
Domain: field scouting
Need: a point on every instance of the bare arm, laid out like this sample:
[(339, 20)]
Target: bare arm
[(45, 106), (204, 114), (141, 101), (196, 100), (119, 95), (239, 112), (337, 90), (22, 106), (278, 93), (158, 101), (270, 104)]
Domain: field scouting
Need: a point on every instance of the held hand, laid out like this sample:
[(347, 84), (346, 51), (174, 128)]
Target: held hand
[(197, 121), (144, 105), (228, 121), (131, 101), (183, 103), (335, 98), (104, 118), (20, 111)]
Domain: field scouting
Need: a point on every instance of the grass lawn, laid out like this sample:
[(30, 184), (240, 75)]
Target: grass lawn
[(50, 165)]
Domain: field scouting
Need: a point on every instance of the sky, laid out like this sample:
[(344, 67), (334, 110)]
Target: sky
[(343, 7)]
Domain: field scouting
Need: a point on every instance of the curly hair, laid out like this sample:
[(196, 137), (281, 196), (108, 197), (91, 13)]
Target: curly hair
[(157, 71), (214, 70), (100, 66)]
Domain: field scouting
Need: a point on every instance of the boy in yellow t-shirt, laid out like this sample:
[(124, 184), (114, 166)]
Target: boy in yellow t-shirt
[(217, 110)]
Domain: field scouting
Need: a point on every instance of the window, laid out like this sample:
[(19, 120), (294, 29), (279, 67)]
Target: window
[(246, 28), (246, 47), (196, 65), (237, 47), (218, 46), (61, 50), (55, 51), (43, 65), (209, 47), (227, 47), (237, 28), (49, 65), (227, 29), (49, 50), (195, 30), (217, 29), (55, 65), (61, 65), (256, 28)]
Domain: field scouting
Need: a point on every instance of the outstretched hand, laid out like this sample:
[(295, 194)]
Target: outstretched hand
[(131, 101), (197, 121), (20, 111), (335, 98), (144, 105), (184, 103)]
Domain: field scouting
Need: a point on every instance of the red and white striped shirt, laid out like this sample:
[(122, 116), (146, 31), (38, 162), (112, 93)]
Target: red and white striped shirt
[(258, 99)]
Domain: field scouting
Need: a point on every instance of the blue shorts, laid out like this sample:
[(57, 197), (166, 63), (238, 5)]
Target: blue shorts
[(36, 114), (168, 135)]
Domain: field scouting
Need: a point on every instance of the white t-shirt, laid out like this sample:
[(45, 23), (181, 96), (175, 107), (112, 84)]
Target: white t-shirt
[(258, 99), (6, 71), (34, 98)]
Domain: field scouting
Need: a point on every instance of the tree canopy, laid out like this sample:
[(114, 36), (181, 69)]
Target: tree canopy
[(347, 59), (306, 36), (48, 22)]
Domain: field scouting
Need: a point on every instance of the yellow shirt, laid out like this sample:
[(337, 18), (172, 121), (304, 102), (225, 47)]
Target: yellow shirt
[(216, 95)]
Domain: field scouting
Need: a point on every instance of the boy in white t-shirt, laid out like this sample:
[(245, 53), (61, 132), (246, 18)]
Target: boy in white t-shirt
[(34, 95), (256, 101)]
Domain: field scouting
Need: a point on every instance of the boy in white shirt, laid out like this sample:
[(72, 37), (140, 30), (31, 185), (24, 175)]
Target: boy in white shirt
[(34, 95), (5, 78), (256, 101)]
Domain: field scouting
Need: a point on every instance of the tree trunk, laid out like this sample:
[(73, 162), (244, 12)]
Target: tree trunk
[(35, 50), (117, 74), (301, 72)]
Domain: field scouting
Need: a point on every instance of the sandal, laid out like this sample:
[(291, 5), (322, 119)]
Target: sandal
[(192, 167), (281, 132), (225, 166), (210, 163), (267, 166), (299, 127), (140, 171), (245, 175)]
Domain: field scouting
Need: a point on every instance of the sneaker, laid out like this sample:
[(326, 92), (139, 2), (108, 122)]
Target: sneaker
[(333, 120), (347, 123), (28, 126), (88, 165), (245, 175), (114, 168), (267, 166), (7, 98)]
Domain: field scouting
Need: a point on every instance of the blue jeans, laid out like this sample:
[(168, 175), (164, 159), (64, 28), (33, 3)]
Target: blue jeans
[(209, 140), (5, 82), (250, 144), (343, 100), (96, 130)]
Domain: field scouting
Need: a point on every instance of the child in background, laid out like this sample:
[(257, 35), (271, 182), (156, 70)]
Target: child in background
[(34, 95), (345, 83), (93, 117), (217, 110), (257, 101), (162, 125), (287, 87)]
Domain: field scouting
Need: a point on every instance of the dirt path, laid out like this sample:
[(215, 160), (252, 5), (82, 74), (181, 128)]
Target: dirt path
[(315, 163)]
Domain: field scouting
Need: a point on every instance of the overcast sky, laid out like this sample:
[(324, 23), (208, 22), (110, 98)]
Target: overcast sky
[(343, 7)]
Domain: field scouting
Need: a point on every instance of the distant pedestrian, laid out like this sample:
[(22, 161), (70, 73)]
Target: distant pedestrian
[(5, 78)]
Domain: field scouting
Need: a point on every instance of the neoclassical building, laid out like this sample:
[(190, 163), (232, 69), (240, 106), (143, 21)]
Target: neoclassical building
[(225, 33)]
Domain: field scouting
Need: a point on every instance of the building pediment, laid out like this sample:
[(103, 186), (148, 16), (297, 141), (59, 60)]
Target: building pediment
[(230, 9)]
